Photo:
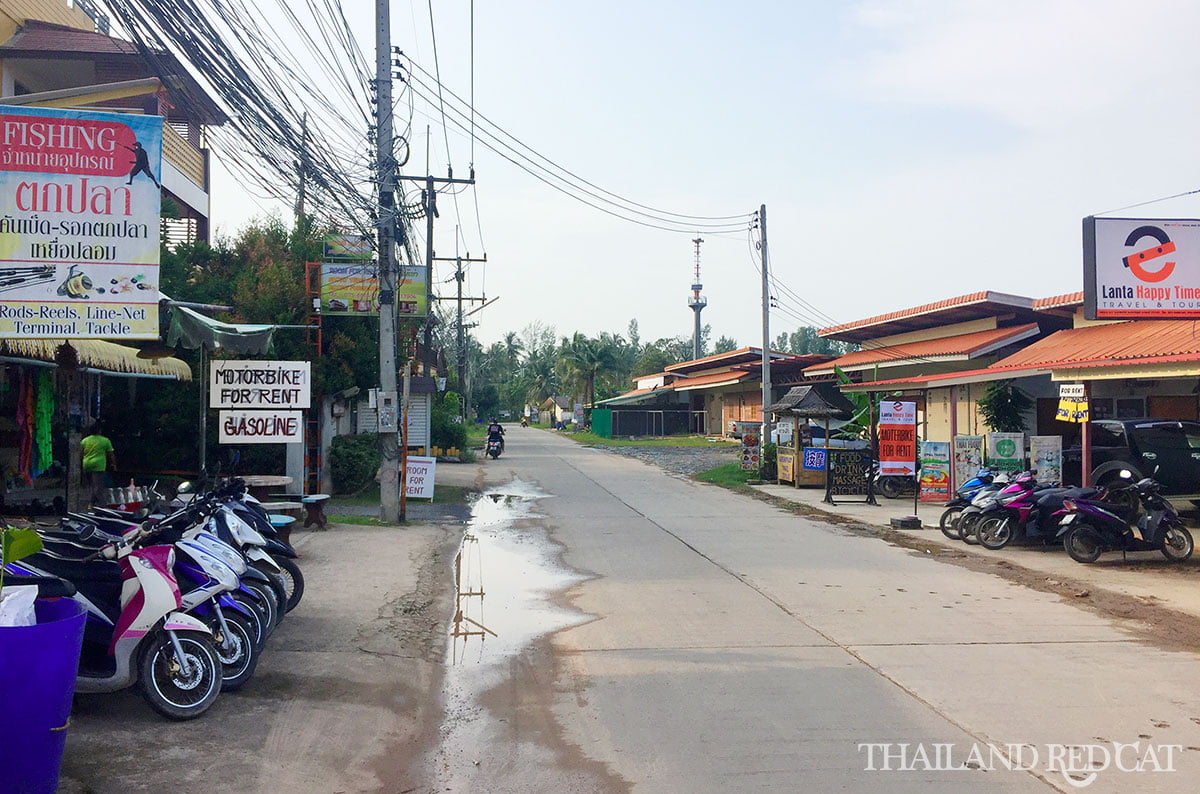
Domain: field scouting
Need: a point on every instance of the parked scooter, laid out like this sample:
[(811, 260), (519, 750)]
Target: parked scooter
[(985, 498), (1031, 515), (1092, 527), (963, 496)]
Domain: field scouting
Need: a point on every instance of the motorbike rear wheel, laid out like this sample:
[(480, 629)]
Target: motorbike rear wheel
[(1177, 544), (948, 523), (967, 524), (891, 487), (292, 578), (1083, 544), (180, 692), (995, 532)]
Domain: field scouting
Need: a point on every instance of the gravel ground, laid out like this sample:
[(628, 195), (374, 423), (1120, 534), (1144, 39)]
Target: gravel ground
[(679, 460)]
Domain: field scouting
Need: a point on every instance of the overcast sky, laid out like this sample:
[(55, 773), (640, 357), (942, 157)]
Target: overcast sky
[(906, 150)]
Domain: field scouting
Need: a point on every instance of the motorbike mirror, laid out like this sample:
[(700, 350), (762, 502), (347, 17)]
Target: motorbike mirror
[(186, 487), (1126, 474)]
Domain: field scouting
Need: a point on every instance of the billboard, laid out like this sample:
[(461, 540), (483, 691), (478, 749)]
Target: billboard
[(80, 204), (1141, 268), (353, 288)]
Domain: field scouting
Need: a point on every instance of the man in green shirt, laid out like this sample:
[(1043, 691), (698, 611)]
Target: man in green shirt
[(98, 458)]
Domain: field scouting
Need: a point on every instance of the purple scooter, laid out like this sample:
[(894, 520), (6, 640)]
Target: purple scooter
[(1094, 526)]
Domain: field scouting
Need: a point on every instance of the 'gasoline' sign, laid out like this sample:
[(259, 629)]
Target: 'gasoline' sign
[(261, 427)]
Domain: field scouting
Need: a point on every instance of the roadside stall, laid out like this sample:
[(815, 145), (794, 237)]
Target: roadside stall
[(803, 462)]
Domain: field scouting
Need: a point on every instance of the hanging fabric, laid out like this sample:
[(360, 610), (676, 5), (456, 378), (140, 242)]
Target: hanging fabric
[(43, 418), (24, 427)]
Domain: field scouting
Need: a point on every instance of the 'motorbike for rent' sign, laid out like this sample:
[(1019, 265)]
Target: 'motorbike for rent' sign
[(897, 438), (272, 385), (80, 201), (1141, 268)]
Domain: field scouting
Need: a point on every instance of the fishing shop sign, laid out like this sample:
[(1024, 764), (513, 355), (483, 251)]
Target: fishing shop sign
[(268, 397), (80, 200)]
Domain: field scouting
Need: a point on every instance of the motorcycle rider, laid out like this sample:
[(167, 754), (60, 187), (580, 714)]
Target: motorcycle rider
[(495, 431)]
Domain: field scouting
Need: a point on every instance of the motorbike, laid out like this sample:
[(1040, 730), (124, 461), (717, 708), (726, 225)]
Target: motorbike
[(135, 632), (948, 522), (493, 448), (1031, 515), (1092, 527), (986, 497), (524, 421)]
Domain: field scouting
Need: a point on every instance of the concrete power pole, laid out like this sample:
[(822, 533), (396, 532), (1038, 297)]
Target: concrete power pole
[(696, 302), (766, 327), (385, 167)]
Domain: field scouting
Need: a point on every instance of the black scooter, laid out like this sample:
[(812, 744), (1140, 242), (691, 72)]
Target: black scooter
[(1117, 523)]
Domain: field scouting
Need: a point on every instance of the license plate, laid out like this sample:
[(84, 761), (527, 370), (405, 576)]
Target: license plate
[(1067, 519)]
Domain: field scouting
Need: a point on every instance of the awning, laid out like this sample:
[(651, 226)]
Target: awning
[(96, 356), (192, 330), (961, 347), (1114, 348), (944, 379), (635, 396)]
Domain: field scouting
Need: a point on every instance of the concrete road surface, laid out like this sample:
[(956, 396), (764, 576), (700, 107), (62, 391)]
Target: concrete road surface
[(717, 644)]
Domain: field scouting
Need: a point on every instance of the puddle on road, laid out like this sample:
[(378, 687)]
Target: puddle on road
[(505, 575)]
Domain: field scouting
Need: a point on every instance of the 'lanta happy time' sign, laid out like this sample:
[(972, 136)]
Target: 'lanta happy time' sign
[(80, 202), (1141, 268)]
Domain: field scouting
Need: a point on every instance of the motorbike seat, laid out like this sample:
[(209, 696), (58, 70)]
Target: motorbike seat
[(97, 580)]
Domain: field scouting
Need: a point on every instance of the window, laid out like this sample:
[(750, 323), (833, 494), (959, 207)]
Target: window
[(1108, 434), (1131, 407), (1161, 437)]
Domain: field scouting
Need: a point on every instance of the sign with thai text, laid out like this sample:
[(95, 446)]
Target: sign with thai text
[(1006, 451), (897, 438), (935, 471), (80, 203), (968, 458), (1141, 268), (260, 384), (260, 427), (419, 476)]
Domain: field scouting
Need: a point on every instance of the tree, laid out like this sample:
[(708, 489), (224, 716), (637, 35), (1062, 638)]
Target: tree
[(1003, 407), (725, 344)]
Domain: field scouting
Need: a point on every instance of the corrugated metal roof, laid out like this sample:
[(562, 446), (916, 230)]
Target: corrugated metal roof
[(1015, 301), (1071, 299), (1143, 341), (962, 344), (716, 378)]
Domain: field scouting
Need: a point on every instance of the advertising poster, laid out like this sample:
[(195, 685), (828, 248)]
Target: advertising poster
[(1045, 457), (935, 471), (419, 476), (1141, 268), (968, 457), (1006, 451), (897, 439), (349, 288), (786, 462), (80, 205), (751, 451)]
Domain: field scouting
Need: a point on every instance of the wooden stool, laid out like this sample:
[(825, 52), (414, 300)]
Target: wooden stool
[(314, 506), (282, 525)]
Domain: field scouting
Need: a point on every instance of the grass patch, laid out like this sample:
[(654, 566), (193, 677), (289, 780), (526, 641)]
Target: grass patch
[(367, 521), (588, 437), (728, 475)]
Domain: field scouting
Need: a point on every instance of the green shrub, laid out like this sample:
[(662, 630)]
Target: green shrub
[(444, 429), (353, 461), (769, 468)]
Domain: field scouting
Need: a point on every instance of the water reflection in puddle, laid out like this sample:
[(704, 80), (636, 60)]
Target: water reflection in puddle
[(505, 575)]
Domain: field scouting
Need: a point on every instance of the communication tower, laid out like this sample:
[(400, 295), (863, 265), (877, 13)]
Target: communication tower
[(696, 302)]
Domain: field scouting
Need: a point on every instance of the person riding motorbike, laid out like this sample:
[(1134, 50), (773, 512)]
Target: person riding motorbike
[(495, 431), (524, 421)]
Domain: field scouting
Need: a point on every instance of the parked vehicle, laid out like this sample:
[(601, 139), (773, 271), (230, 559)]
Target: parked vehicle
[(1142, 446), (986, 498), (948, 523), (1030, 516), (1094, 526)]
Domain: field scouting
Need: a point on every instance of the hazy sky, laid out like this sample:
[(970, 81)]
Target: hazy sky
[(906, 150)]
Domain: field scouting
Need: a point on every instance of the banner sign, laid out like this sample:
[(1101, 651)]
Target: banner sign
[(897, 439), (786, 466), (1045, 457), (968, 457), (935, 471), (260, 384), (80, 205), (1006, 451), (349, 246), (1141, 268), (261, 427), (353, 288), (1072, 403), (751, 451), (419, 476)]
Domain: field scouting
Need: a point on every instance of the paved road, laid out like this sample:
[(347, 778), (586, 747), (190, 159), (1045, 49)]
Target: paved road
[(720, 645)]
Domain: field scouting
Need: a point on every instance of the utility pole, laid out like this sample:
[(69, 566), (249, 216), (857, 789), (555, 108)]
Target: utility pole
[(460, 340), (390, 475), (766, 327)]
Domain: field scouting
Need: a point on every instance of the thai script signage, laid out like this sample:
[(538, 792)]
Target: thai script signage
[(1141, 268), (935, 471), (1006, 451), (80, 204), (273, 385)]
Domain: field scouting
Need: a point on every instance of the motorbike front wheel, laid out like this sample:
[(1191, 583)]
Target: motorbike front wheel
[(949, 523), (180, 689), (994, 533), (1177, 544), (891, 487), (238, 652), (1083, 544)]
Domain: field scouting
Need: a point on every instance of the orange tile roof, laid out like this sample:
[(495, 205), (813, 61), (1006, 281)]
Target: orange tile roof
[(1059, 301), (1138, 341), (961, 300), (963, 344)]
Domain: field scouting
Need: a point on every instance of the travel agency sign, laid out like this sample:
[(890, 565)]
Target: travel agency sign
[(1141, 268)]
